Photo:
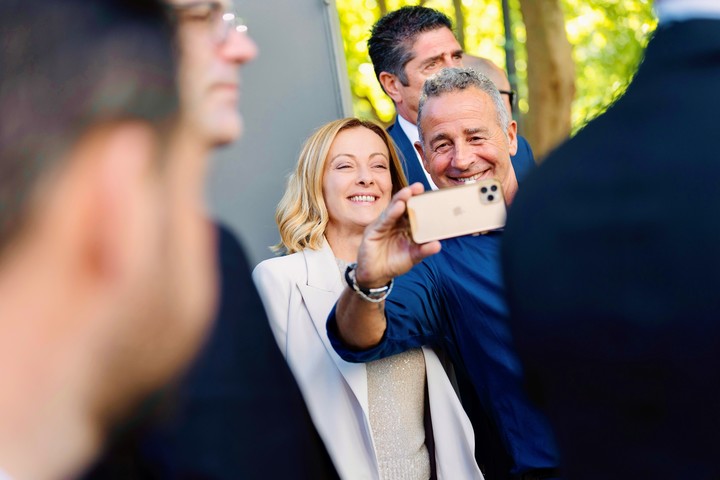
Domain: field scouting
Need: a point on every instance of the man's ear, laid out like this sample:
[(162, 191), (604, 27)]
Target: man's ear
[(106, 198), (512, 137), (391, 84)]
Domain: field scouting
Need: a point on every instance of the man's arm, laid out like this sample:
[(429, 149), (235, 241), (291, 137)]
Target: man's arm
[(361, 324), (386, 251)]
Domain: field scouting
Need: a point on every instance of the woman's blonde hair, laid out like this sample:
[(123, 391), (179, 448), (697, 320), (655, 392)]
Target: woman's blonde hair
[(301, 215)]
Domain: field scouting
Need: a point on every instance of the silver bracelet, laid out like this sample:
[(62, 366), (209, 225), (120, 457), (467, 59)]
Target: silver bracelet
[(372, 295)]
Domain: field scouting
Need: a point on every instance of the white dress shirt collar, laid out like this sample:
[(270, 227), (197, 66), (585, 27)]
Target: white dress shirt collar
[(680, 10)]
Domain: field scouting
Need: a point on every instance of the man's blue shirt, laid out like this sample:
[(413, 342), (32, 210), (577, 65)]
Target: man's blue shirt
[(455, 300)]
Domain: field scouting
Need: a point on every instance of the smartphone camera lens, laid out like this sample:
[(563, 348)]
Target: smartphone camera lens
[(484, 189), (490, 198), (494, 188)]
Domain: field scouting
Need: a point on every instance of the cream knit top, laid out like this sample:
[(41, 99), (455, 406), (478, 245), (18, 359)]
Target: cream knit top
[(396, 396)]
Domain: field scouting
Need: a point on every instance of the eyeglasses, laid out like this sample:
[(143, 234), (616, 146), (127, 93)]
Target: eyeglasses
[(510, 94), (219, 21)]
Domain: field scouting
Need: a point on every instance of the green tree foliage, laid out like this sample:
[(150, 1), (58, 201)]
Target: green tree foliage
[(608, 38)]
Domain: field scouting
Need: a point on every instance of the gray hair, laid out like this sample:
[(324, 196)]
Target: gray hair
[(456, 79)]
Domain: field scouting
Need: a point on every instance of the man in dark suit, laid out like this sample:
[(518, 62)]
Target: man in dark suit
[(238, 413), (612, 265), (406, 47)]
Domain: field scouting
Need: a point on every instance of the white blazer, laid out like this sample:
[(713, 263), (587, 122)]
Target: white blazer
[(298, 292)]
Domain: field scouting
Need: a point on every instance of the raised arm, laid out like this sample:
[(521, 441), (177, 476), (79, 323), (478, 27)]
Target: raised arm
[(386, 251)]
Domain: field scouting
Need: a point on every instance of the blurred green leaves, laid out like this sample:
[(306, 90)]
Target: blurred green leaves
[(608, 38)]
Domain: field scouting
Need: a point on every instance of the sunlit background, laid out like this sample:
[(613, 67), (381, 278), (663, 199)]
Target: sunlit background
[(607, 36)]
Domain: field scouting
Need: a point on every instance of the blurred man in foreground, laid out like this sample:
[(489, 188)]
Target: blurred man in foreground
[(238, 413), (96, 237), (612, 263), (455, 299)]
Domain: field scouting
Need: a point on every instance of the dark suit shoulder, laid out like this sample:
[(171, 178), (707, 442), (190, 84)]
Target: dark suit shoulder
[(523, 161), (412, 168), (237, 410)]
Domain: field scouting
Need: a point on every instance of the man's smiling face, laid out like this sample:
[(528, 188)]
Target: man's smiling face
[(464, 142)]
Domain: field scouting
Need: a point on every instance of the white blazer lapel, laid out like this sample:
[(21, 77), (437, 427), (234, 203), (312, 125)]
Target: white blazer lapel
[(323, 288)]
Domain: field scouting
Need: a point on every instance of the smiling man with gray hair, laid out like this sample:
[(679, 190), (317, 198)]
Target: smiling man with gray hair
[(453, 300), (455, 146), (454, 81)]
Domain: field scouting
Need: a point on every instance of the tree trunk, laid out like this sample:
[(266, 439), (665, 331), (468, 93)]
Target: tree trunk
[(383, 8), (551, 75), (510, 61), (459, 23)]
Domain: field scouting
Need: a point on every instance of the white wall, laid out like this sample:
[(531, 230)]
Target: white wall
[(297, 83)]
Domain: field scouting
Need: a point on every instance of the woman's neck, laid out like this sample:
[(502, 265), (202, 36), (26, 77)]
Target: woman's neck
[(343, 244)]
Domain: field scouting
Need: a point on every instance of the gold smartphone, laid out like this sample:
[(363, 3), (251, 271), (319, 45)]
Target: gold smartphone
[(455, 211)]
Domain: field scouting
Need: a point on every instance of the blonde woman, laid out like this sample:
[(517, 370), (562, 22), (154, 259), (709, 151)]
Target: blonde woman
[(372, 417)]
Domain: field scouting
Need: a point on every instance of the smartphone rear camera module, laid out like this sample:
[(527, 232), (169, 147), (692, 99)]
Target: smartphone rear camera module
[(490, 194)]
